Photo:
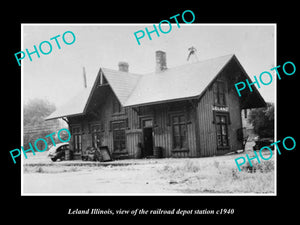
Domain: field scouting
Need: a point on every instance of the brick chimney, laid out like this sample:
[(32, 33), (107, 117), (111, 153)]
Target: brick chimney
[(123, 66), (161, 61)]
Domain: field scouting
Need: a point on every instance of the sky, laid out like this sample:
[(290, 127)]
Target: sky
[(58, 76)]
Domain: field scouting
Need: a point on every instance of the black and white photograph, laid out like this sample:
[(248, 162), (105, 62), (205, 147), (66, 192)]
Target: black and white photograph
[(145, 109), (149, 112)]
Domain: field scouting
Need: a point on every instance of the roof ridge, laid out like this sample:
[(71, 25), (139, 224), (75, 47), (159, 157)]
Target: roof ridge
[(135, 74), (193, 63), (186, 64), (204, 66), (134, 94)]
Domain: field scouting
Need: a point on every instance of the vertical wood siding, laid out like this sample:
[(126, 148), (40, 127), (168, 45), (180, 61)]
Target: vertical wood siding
[(163, 132), (201, 140), (236, 120), (208, 137)]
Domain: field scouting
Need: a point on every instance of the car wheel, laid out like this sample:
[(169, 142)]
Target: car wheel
[(53, 159)]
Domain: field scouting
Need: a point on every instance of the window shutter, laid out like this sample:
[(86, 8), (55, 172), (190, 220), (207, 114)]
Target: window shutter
[(140, 123), (126, 124), (110, 126), (214, 117), (81, 130), (169, 120), (228, 116), (187, 115), (89, 128)]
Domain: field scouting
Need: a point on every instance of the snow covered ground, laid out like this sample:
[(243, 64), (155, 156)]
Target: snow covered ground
[(209, 175)]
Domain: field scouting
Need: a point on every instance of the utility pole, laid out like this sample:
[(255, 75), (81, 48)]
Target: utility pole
[(84, 78)]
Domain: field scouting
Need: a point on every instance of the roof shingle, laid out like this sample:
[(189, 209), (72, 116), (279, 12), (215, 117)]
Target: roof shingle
[(182, 82)]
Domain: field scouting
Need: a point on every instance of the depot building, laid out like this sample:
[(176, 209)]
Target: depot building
[(192, 110)]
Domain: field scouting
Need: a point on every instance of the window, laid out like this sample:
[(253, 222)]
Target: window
[(96, 136), (147, 123), (219, 93), (76, 133), (117, 108), (118, 129), (179, 131), (222, 130)]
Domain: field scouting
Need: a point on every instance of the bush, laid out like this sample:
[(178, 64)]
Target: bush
[(262, 120), (35, 126), (190, 166), (263, 167)]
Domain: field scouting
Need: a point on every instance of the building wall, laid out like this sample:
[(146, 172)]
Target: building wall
[(163, 129), (236, 120), (207, 131), (207, 128), (201, 139), (248, 127)]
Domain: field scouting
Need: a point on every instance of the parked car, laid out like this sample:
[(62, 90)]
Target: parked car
[(262, 142), (58, 151)]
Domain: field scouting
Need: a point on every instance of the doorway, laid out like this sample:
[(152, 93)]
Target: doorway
[(148, 141), (147, 137)]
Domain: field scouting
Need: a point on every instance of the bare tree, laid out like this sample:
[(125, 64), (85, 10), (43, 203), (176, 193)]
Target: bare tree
[(35, 110), (35, 126)]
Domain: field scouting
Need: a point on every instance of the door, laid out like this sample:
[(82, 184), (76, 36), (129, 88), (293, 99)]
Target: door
[(148, 141)]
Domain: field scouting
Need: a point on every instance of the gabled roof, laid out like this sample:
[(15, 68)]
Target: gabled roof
[(75, 106), (122, 83), (183, 82)]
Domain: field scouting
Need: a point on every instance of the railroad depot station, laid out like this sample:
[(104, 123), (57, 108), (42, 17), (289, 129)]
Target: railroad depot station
[(192, 110)]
